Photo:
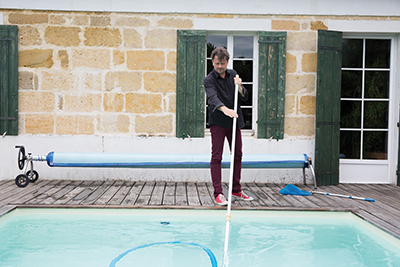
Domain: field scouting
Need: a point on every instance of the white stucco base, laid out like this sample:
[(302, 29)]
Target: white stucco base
[(42, 145)]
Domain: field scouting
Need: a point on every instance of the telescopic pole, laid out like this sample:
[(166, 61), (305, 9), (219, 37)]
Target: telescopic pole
[(228, 213)]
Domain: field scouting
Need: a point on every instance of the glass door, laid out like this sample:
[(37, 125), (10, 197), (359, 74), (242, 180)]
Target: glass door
[(365, 110)]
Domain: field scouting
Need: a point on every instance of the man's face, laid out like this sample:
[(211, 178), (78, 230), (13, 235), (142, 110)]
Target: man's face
[(220, 66)]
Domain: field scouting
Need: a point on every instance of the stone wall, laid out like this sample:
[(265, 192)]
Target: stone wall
[(114, 73), (96, 74)]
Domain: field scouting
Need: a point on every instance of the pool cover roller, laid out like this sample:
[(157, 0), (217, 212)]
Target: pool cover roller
[(149, 160), (118, 160)]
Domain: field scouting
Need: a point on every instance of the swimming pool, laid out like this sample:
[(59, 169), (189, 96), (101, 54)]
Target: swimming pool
[(96, 237)]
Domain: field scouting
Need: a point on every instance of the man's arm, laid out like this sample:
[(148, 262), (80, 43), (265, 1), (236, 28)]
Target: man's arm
[(212, 98)]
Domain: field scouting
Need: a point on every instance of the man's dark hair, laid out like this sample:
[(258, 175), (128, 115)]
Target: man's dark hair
[(221, 53)]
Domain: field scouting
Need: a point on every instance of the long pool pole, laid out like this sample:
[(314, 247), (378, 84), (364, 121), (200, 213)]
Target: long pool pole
[(228, 213), (338, 195)]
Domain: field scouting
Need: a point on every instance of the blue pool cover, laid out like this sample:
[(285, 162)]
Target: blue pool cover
[(145, 160)]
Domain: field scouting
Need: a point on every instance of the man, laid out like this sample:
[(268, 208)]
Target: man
[(220, 89)]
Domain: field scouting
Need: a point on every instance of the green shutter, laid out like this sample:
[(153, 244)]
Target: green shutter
[(271, 84), (190, 73), (9, 79), (327, 132), (398, 152)]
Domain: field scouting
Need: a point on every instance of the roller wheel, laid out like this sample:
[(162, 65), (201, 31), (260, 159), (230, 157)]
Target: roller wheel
[(21, 157), (33, 177), (22, 180)]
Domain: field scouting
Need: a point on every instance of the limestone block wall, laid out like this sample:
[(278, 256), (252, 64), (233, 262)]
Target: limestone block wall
[(96, 74), (115, 73), (301, 72)]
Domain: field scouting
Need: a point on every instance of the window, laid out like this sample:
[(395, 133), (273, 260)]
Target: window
[(364, 123), (261, 65), (242, 51)]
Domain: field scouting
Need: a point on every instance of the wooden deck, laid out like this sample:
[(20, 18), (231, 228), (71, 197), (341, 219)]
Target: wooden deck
[(384, 212)]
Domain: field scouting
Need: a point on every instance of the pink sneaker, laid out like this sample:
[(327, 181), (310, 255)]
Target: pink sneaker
[(221, 200), (242, 196)]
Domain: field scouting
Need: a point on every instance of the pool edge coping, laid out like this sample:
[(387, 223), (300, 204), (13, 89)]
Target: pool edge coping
[(360, 213)]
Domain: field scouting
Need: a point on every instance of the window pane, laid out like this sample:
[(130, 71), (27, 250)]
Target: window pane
[(243, 46), (377, 53), (375, 145), (247, 116), (350, 144), (351, 84), (350, 114), (214, 41), (376, 114), (249, 102), (376, 84), (352, 53), (245, 69), (210, 67)]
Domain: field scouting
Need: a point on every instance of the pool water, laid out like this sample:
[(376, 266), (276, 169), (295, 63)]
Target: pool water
[(95, 237)]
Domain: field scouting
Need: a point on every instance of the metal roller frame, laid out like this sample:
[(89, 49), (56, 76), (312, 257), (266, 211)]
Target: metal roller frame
[(194, 161)]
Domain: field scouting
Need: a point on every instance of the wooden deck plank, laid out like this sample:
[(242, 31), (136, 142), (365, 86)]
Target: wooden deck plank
[(133, 194), (71, 194), (69, 186), (192, 195), (380, 193), (169, 194), (204, 194), (3, 182), (387, 189), (39, 198), (145, 194), (96, 194), (180, 194), (109, 193), (157, 194), (39, 190), (385, 212), (278, 198), (263, 199), (17, 192), (211, 191), (79, 198), (121, 194), (7, 186)]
